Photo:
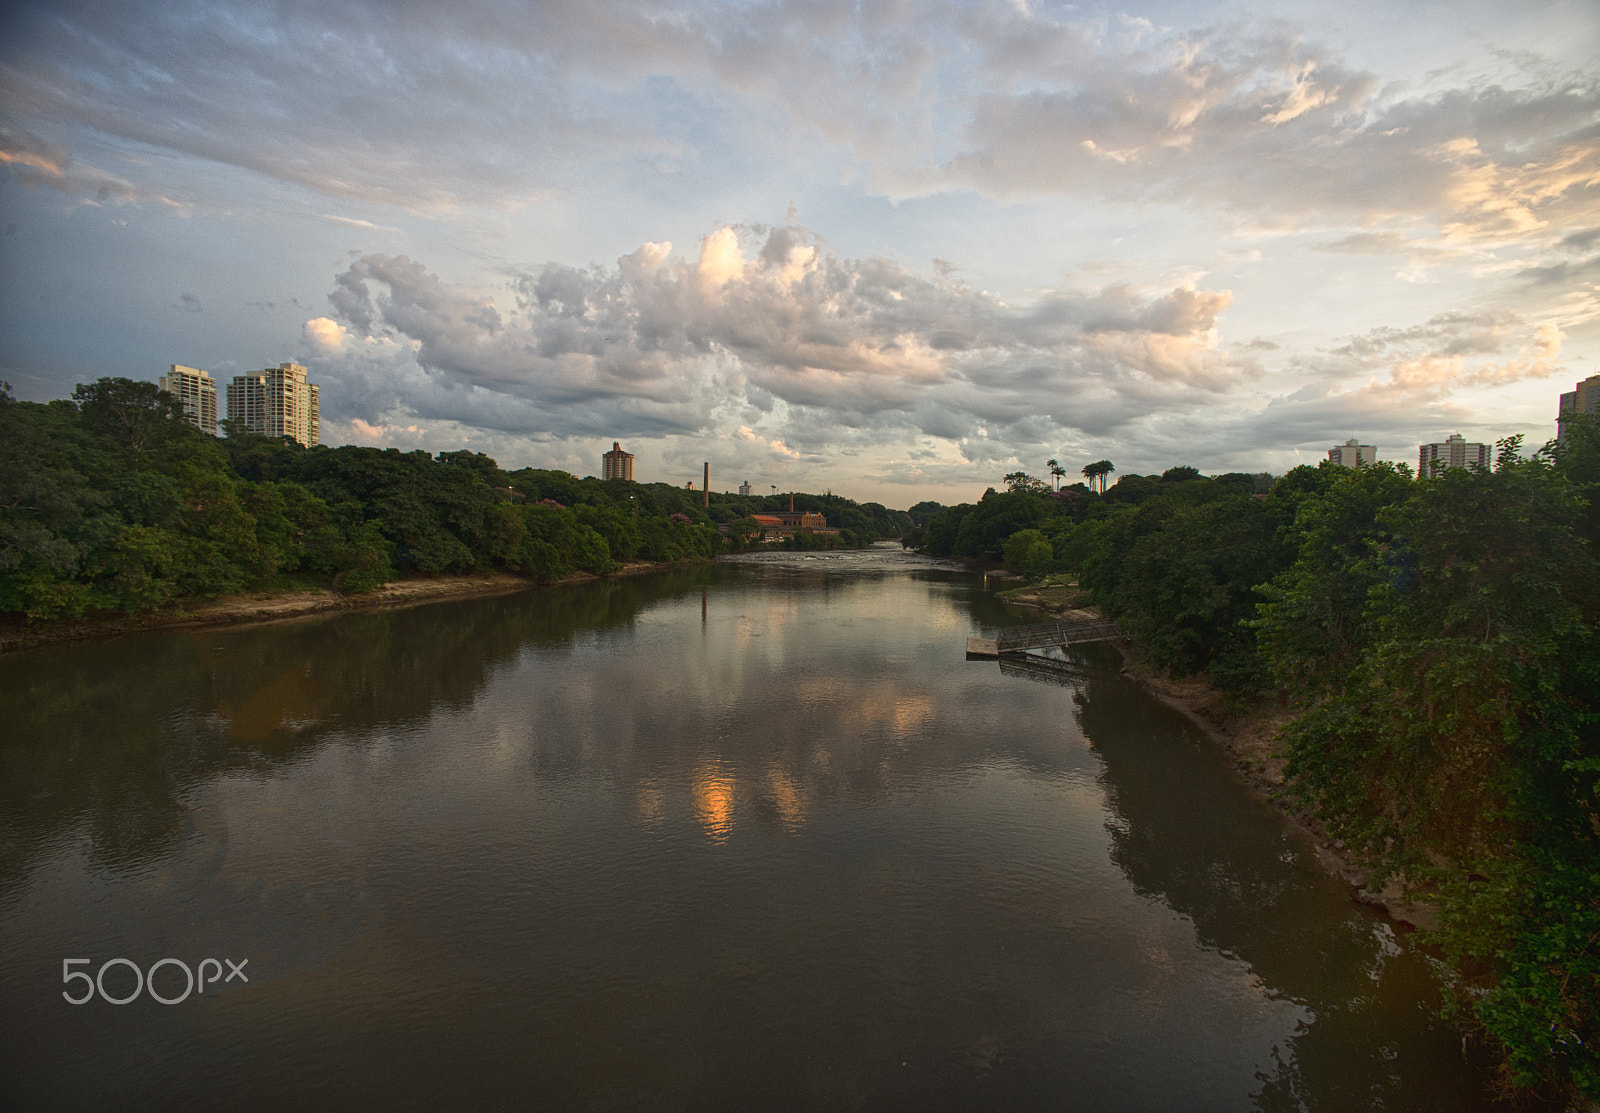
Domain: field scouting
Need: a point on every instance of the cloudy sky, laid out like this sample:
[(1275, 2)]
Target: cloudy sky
[(896, 249)]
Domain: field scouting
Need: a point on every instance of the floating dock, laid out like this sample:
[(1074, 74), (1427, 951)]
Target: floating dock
[(1072, 628)]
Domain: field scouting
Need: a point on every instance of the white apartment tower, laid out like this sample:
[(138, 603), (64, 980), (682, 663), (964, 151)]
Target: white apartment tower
[(277, 402), (1583, 399), (744, 488), (1453, 452), (196, 391), (1352, 452)]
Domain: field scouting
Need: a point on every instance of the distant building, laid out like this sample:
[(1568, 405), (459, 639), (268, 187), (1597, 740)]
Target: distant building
[(616, 464), (1351, 453), (771, 527), (786, 523), (196, 391), (744, 488), (277, 402), (1453, 452), (1585, 399), (803, 519)]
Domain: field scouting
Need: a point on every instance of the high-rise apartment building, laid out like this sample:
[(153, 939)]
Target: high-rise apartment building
[(616, 464), (1583, 399), (744, 488), (1453, 452), (1352, 452), (196, 391), (277, 402)]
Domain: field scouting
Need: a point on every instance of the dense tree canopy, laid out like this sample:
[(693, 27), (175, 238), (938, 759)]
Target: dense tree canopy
[(110, 501)]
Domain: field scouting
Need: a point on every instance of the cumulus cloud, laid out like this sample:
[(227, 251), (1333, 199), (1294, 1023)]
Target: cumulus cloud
[(764, 337), (325, 334)]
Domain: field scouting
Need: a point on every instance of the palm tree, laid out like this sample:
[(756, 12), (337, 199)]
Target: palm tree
[(1056, 472), (1098, 470)]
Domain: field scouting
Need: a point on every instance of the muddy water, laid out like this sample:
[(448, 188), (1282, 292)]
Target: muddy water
[(746, 836)]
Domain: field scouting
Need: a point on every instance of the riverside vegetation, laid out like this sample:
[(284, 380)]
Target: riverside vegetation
[(1435, 640), (109, 501)]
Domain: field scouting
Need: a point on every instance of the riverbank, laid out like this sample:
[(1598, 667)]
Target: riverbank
[(1249, 738), (264, 606)]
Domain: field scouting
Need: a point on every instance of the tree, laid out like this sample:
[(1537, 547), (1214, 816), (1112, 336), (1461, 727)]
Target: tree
[(1029, 553), (1056, 472), (1098, 471), (997, 516), (139, 418), (1020, 482), (1459, 748)]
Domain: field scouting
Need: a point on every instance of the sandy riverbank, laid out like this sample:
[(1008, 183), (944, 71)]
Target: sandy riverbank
[(259, 606), (1249, 738)]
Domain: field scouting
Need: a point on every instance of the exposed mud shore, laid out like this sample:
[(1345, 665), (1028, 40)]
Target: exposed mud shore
[(1249, 738), (260, 606)]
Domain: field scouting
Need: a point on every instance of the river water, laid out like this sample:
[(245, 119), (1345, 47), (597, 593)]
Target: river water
[(745, 836)]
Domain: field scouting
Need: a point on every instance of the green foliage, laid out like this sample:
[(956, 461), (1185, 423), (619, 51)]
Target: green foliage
[(1029, 553), (983, 531), (1132, 489), (1315, 625), (1179, 571), (1452, 729), (112, 502), (1020, 482)]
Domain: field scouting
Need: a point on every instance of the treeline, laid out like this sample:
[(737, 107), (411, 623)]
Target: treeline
[(110, 501), (1436, 638)]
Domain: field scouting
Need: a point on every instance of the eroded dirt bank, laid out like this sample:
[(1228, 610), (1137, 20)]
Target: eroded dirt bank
[(259, 606)]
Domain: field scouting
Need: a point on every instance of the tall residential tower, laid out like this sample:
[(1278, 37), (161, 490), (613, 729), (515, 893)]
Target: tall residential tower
[(616, 464), (277, 402), (1583, 399), (196, 391)]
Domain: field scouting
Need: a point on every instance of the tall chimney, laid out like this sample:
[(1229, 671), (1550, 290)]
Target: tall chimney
[(706, 486)]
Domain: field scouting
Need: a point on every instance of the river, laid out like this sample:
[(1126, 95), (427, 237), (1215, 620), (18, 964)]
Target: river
[(743, 836)]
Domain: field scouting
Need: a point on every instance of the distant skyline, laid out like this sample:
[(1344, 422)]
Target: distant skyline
[(895, 249)]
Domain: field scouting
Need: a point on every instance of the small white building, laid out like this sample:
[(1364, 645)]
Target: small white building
[(1352, 453)]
